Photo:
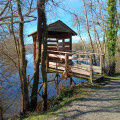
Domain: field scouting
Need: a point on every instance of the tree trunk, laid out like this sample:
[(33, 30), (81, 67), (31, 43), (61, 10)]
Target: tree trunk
[(44, 56), (23, 62), (1, 113), (40, 37), (95, 32)]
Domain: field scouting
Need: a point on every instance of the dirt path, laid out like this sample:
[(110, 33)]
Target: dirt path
[(104, 104)]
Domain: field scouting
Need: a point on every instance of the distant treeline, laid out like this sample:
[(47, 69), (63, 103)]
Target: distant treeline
[(78, 46)]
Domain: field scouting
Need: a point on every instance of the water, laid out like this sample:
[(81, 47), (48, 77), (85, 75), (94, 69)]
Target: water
[(10, 94)]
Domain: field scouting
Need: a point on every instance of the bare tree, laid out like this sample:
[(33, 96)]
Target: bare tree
[(41, 38), (9, 17)]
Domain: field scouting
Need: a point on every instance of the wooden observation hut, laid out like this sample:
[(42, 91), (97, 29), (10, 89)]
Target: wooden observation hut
[(60, 54), (59, 37)]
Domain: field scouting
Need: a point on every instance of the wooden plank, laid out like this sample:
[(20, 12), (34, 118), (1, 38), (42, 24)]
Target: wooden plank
[(55, 49), (59, 66), (52, 41), (65, 43), (52, 45), (82, 72), (59, 56), (62, 52), (87, 67), (83, 59), (74, 70)]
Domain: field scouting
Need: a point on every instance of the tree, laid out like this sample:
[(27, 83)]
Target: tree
[(111, 34), (23, 62), (8, 18), (44, 57), (41, 38)]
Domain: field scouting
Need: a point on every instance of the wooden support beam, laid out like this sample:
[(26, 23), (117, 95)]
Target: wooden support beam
[(57, 45), (63, 46), (91, 68), (77, 58), (49, 45), (52, 41), (66, 63), (71, 42), (102, 64)]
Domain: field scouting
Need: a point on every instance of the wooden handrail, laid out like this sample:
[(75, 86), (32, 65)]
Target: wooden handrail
[(67, 57), (71, 53)]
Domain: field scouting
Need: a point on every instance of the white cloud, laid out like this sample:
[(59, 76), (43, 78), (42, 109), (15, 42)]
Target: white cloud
[(77, 38)]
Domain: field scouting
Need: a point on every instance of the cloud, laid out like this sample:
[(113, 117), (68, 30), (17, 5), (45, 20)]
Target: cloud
[(76, 39)]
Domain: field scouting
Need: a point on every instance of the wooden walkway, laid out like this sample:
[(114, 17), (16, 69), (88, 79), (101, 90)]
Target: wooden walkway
[(77, 63)]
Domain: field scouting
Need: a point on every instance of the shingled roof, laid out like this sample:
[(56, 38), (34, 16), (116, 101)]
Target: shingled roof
[(58, 26)]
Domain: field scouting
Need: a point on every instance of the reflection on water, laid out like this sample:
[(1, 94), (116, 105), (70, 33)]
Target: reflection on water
[(11, 94)]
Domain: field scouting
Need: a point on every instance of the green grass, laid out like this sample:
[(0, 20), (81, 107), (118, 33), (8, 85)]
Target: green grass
[(36, 116), (68, 96)]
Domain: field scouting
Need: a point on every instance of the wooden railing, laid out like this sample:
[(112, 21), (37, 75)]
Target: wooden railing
[(63, 61)]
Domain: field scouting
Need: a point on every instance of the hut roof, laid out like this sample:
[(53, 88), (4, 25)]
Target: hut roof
[(58, 26)]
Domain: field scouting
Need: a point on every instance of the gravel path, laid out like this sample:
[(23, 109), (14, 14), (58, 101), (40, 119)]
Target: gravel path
[(103, 104)]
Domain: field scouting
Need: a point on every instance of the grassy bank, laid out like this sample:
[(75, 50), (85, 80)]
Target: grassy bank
[(68, 96)]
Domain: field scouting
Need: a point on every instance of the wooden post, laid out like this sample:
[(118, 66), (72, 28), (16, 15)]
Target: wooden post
[(101, 64), (66, 64), (77, 58), (63, 46), (91, 69), (57, 45), (70, 42)]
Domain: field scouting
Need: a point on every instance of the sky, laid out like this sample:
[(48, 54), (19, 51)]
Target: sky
[(60, 14)]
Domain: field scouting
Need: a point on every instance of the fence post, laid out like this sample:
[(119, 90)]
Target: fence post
[(91, 68), (66, 63), (77, 58), (101, 63)]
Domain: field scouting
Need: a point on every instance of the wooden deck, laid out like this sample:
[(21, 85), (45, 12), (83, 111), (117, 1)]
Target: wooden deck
[(76, 63)]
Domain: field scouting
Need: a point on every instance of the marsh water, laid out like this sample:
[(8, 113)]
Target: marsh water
[(10, 96)]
